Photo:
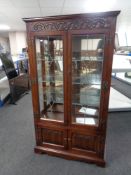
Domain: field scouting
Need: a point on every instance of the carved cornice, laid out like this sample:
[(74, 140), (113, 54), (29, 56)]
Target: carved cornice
[(75, 24)]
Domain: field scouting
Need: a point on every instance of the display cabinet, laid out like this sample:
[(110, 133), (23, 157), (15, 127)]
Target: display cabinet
[(70, 68)]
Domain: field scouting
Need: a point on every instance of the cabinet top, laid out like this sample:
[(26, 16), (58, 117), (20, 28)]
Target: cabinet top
[(62, 17)]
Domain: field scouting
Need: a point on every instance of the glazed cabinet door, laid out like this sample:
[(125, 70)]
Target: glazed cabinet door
[(50, 127), (49, 56), (87, 66), (88, 90)]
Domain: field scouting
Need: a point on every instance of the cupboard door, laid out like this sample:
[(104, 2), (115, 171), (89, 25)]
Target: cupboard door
[(87, 65), (51, 137), (49, 57), (85, 142)]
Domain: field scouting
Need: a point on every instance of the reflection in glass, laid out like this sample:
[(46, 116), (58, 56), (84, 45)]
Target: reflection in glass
[(87, 61), (49, 53)]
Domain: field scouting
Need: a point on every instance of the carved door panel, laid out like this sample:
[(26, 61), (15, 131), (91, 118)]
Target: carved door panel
[(86, 142), (51, 137)]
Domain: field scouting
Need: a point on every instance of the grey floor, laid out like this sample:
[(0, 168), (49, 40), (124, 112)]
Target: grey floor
[(17, 143)]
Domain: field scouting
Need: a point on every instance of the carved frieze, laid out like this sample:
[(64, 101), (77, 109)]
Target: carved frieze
[(75, 24)]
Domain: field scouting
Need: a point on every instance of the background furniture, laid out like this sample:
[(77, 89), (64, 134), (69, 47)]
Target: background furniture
[(19, 83), (71, 83)]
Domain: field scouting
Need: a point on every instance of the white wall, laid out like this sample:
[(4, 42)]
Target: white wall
[(123, 27), (12, 40), (17, 42)]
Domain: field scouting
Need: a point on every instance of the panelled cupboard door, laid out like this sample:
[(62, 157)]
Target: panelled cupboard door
[(50, 137)]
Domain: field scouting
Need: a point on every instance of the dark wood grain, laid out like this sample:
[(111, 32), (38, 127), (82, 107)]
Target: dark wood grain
[(67, 138)]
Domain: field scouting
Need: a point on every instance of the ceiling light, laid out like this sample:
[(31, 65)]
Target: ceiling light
[(4, 27), (99, 6)]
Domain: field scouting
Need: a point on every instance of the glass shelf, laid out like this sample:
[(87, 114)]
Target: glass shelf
[(56, 101), (51, 78), (85, 121), (86, 102), (85, 83), (56, 89), (88, 93), (97, 59), (53, 116), (95, 105), (53, 93), (94, 80), (51, 60)]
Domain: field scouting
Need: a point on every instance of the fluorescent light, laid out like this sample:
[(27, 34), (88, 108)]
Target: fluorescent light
[(99, 6), (4, 27)]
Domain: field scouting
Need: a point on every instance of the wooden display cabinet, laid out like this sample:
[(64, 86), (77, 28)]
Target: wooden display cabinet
[(70, 67)]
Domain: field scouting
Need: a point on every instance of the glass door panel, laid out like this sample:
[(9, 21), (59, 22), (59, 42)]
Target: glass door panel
[(87, 62), (49, 54)]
